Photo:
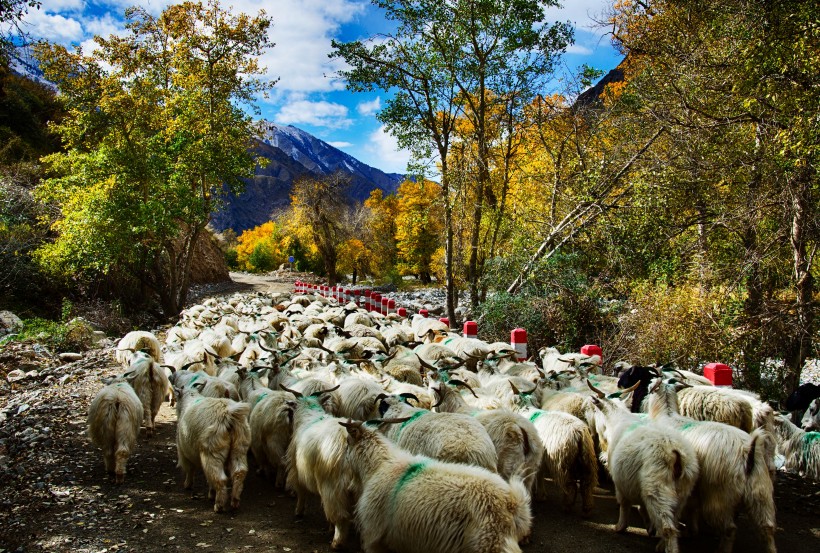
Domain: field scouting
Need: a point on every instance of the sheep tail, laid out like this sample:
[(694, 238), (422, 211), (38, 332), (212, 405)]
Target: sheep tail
[(526, 441), (677, 465)]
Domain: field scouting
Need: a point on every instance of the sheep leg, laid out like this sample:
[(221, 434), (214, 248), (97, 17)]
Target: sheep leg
[(108, 459), (121, 458), (214, 469), (280, 476), (237, 484), (663, 521), (727, 539), (587, 500), (623, 516)]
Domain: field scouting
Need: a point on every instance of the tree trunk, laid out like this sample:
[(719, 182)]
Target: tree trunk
[(801, 212), (448, 242)]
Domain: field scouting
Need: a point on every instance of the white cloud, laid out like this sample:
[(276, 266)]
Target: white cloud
[(318, 114), (341, 144), (579, 49), (370, 108), (53, 27), (580, 12), (59, 6), (383, 152)]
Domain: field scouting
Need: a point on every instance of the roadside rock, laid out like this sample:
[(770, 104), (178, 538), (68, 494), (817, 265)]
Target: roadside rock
[(9, 323)]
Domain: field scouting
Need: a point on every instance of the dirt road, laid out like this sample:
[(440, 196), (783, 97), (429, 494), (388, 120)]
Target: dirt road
[(55, 496)]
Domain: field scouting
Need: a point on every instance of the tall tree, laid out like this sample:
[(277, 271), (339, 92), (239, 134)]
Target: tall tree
[(321, 208), (156, 133), (444, 59)]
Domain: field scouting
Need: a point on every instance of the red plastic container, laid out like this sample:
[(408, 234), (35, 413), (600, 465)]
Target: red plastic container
[(592, 349), (719, 374)]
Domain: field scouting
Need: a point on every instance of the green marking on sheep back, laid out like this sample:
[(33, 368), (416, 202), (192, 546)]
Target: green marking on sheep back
[(260, 397), (413, 470), (688, 425), (411, 420), (536, 415)]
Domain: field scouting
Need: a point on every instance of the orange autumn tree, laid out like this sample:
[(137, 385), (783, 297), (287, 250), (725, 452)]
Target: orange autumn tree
[(262, 248), (419, 227)]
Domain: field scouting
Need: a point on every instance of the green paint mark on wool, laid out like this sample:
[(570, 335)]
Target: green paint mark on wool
[(413, 470), (809, 439), (411, 420), (535, 415), (261, 397), (688, 425), (634, 425)]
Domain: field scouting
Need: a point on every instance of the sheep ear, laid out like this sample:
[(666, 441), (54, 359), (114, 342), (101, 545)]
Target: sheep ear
[(354, 428)]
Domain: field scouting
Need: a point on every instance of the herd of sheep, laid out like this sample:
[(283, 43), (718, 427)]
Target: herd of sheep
[(429, 441)]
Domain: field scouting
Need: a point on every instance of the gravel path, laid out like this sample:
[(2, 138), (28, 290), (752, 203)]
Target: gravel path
[(55, 496)]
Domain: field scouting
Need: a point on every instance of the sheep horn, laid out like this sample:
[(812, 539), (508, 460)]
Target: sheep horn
[(391, 421), (456, 382), (440, 393), (656, 386), (380, 397), (408, 395), (171, 368), (471, 356), (192, 363), (259, 342), (514, 389), (631, 388), (294, 392), (425, 364), (598, 392), (320, 392)]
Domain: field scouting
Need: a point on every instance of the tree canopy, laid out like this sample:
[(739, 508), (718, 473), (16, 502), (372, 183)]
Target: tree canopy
[(155, 134)]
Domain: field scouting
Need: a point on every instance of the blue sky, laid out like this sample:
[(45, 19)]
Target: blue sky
[(307, 95)]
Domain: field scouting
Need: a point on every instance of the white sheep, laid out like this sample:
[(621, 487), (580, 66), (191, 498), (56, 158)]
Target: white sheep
[(150, 384), (315, 463), (213, 435), (414, 504), (716, 404), (516, 440), (735, 471), (651, 465), (450, 437), (114, 424), (271, 423), (135, 341), (801, 449), (811, 418)]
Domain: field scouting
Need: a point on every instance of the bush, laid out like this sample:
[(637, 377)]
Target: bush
[(685, 324), (58, 336), (563, 321)]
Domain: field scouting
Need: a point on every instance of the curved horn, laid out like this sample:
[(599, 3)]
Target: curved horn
[(425, 364), (656, 386), (440, 393), (456, 382), (192, 363), (598, 392), (408, 395), (391, 421), (471, 356), (380, 397), (631, 388), (259, 343), (171, 368), (320, 392), (514, 389), (294, 392)]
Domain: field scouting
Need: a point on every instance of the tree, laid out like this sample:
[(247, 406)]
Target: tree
[(418, 227), (11, 15), (155, 135), (738, 76), (443, 60), (321, 208)]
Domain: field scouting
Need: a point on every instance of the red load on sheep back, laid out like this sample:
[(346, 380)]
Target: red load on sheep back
[(718, 373), (592, 349)]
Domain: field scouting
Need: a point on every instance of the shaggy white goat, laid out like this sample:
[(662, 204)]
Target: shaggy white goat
[(414, 504), (114, 424)]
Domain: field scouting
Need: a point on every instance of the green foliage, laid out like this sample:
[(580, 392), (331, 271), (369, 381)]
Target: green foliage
[(56, 335), (156, 131), (232, 258)]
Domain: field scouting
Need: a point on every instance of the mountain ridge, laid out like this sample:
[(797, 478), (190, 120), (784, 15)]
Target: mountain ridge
[(293, 153)]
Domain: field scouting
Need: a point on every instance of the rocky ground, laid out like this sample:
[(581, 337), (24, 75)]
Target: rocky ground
[(55, 495)]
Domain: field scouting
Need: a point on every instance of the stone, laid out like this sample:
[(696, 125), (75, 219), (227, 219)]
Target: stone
[(9, 323), (70, 357), (15, 375)]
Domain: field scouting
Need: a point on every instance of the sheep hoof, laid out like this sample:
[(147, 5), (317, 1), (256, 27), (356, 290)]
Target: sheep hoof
[(337, 546), (234, 504)]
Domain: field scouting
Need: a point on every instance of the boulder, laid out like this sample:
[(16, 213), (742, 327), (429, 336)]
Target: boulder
[(9, 323)]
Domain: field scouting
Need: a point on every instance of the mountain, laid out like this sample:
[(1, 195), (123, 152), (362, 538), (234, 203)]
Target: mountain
[(294, 153)]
